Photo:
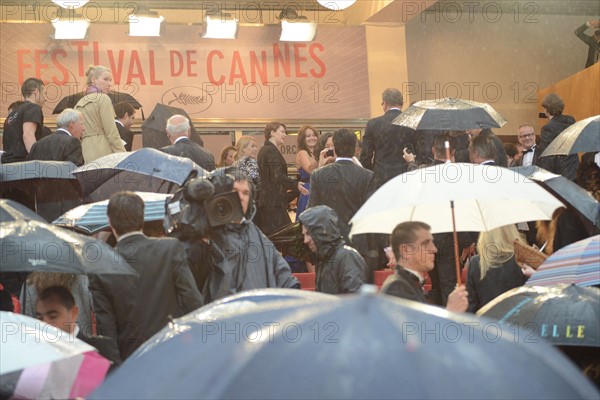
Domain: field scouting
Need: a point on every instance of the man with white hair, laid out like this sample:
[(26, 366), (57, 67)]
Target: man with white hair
[(65, 143), (178, 131)]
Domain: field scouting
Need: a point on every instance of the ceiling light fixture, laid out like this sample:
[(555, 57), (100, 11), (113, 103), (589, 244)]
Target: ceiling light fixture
[(336, 4), (70, 3), (296, 28), (145, 23), (70, 29), (219, 26)]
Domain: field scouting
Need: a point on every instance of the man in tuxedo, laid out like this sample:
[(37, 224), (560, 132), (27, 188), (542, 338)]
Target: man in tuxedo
[(482, 150), (383, 142), (178, 130), (526, 138), (164, 289), (415, 251), (65, 143), (125, 115), (56, 306)]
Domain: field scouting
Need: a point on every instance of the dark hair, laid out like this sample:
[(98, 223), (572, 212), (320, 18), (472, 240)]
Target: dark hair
[(553, 104), (302, 139), (30, 85), (393, 97), (63, 295), (224, 153), (484, 146), (511, 150), (126, 212), (439, 144), (13, 106), (404, 233), (321, 144), (344, 143), (122, 108), (272, 126)]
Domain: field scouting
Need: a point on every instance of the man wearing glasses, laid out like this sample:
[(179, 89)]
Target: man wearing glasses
[(526, 137)]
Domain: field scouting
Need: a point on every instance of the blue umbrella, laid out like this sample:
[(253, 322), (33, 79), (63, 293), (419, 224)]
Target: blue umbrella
[(147, 170), (364, 346), (92, 218)]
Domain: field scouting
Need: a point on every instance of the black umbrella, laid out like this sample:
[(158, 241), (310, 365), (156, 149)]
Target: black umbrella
[(565, 315), (47, 187), (13, 211), (360, 347), (449, 114), (582, 136), (566, 191), (290, 242), (147, 170), (115, 97), (154, 132), (29, 246)]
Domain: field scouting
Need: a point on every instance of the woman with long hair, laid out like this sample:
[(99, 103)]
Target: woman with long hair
[(227, 157), (494, 270), (101, 136), (305, 161)]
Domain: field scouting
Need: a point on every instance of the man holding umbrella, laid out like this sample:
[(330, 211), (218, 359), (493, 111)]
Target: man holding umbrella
[(415, 251)]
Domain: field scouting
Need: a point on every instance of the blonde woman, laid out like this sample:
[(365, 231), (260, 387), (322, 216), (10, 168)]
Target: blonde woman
[(246, 151), (494, 270), (101, 136)]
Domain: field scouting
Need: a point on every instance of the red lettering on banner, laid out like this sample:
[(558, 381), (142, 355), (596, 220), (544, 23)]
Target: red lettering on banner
[(311, 50), (39, 55), (279, 58), (298, 60), (153, 80), (135, 64), (190, 62), (258, 69), (117, 70), (61, 68), (209, 67), (96, 53), (80, 63), (236, 63), (174, 54), (21, 64)]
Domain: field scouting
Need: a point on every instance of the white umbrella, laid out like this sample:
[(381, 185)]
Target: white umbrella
[(479, 198)]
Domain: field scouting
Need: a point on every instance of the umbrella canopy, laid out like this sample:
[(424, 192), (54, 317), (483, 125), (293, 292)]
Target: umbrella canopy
[(485, 197), (582, 136), (565, 315), (236, 304), (40, 361), (47, 187), (565, 190), (290, 241), (366, 346), (153, 130), (147, 170), (13, 211), (115, 97), (577, 263), (449, 114), (29, 246), (92, 218)]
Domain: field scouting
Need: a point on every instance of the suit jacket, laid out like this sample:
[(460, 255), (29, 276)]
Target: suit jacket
[(343, 186), (404, 284), (562, 165), (534, 160), (273, 177), (383, 145), (591, 42), (165, 288), (501, 158), (126, 135), (188, 149), (106, 347), (59, 146)]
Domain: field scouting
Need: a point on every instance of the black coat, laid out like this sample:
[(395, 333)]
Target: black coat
[(59, 146), (496, 281), (383, 145), (106, 347), (188, 149), (501, 159), (561, 165), (592, 45), (339, 268), (126, 135), (405, 285)]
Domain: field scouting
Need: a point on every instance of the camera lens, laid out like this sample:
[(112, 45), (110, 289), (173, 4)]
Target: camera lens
[(222, 208)]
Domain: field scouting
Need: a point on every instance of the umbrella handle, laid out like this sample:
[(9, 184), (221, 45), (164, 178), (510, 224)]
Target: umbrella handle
[(455, 236)]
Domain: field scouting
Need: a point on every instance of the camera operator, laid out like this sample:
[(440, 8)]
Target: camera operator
[(234, 255)]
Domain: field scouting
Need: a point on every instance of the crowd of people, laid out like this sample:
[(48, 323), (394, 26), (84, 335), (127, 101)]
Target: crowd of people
[(336, 176)]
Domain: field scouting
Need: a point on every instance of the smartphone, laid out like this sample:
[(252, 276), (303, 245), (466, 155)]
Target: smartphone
[(329, 153)]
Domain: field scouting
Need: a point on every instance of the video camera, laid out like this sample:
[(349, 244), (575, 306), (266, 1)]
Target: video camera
[(202, 204)]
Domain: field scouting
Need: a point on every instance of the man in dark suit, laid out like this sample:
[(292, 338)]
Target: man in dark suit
[(415, 251), (178, 130), (344, 186), (65, 143), (500, 157), (526, 138), (384, 142), (482, 150), (164, 289), (125, 115), (593, 42), (56, 306)]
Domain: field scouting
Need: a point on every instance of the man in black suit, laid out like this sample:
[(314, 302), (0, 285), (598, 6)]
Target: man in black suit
[(482, 150), (500, 157), (65, 143), (56, 306), (178, 130), (593, 42), (384, 142), (526, 138), (344, 186), (164, 289), (125, 115), (415, 251)]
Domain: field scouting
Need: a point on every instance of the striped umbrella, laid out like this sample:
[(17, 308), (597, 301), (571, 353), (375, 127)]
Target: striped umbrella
[(578, 263), (91, 218)]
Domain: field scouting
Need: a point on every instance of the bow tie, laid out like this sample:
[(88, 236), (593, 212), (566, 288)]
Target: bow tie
[(529, 150)]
